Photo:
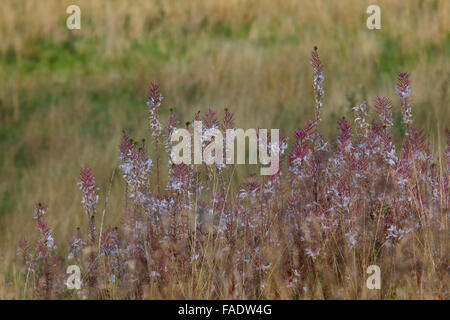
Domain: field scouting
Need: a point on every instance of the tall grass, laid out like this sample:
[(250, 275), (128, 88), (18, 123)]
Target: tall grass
[(66, 96), (308, 231)]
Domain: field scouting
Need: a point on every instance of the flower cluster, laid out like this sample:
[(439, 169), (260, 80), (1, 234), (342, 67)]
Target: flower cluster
[(86, 183), (135, 165), (333, 208), (317, 83), (404, 92), (154, 102)]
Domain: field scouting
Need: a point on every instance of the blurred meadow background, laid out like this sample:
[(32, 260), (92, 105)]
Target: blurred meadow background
[(66, 96)]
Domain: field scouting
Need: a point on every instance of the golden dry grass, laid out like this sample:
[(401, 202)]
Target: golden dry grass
[(65, 96)]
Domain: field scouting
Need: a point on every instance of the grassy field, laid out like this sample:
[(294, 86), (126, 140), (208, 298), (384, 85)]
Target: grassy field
[(66, 96)]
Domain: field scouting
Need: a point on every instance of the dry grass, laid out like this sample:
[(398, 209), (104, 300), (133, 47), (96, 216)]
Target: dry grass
[(66, 96)]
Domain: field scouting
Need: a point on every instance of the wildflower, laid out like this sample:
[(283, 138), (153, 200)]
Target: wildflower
[(154, 102), (155, 274), (110, 244), (312, 253), (170, 129), (404, 92), (344, 136), (87, 186), (361, 197), (317, 83), (40, 210), (360, 118), (47, 243), (136, 166), (76, 246), (383, 106)]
